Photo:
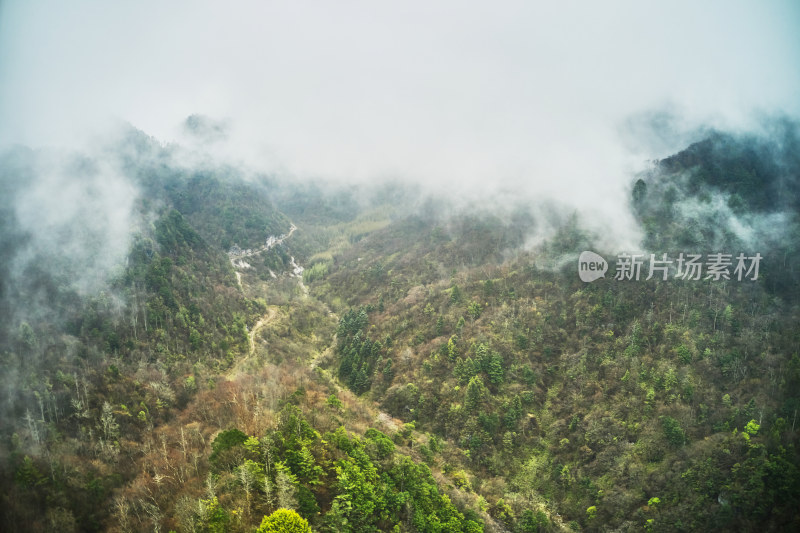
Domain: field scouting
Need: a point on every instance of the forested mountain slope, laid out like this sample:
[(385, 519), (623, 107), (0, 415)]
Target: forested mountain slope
[(666, 405), (180, 395), (391, 367)]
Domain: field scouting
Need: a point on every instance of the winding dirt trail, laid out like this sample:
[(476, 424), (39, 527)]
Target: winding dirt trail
[(271, 312), (238, 367), (238, 258), (318, 364)]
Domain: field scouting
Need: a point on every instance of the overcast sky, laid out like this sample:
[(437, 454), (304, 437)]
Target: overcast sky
[(505, 95)]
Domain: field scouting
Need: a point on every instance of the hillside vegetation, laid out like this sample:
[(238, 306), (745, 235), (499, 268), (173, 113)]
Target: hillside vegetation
[(425, 371)]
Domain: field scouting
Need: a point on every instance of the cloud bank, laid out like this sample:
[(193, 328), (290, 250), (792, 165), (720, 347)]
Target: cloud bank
[(522, 100)]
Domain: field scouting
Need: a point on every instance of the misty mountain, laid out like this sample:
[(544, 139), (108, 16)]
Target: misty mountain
[(759, 172), (175, 356), (730, 193)]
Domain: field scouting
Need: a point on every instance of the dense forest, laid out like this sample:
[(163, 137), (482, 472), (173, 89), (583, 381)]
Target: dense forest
[(269, 355)]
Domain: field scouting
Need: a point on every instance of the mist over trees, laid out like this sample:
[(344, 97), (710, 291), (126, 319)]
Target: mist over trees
[(434, 366)]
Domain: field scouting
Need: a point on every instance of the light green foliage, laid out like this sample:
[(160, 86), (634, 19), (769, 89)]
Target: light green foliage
[(250, 475), (452, 348), (670, 379), (461, 480), (316, 272), (253, 445), (383, 445), (334, 402), (212, 517), (684, 353), (307, 466), (358, 498), (533, 521), (286, 486), (474, 310), (190, 384), (464, 370), (284, 521)]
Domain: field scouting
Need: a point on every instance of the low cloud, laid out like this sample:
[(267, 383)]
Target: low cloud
[(521, 102)]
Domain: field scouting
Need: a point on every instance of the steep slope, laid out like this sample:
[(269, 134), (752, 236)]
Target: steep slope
[(669, 405), (179, 397), (381, 370)]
